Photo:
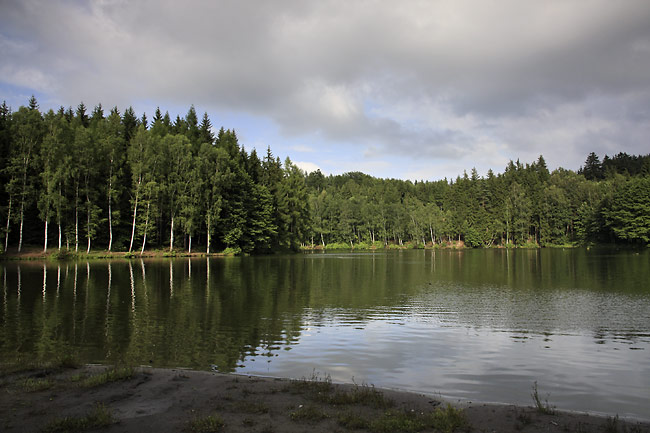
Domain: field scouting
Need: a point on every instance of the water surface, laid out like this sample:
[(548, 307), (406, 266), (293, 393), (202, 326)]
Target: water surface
[(480, 325)]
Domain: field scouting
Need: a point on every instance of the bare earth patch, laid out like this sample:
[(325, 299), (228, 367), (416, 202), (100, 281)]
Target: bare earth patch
[(99, 398)]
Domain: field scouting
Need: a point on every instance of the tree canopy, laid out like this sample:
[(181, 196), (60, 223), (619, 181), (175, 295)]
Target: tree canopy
[(115, 182)]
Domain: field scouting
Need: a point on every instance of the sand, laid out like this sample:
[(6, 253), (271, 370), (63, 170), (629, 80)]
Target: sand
[(169, 400)]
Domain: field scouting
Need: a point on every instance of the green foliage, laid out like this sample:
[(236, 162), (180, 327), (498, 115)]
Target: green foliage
[(338, 246), (472, 238), (628, 212), (232, 251), (64, 254)]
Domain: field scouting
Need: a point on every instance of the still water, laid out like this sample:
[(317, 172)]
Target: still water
[(479, 325)]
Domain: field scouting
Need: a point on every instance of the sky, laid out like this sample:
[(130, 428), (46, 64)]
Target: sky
[(418, 90)]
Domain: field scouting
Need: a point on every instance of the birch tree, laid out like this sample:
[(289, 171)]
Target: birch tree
[(110, 145), (27, 123), (178, 159), (137, 158), (52, 173)]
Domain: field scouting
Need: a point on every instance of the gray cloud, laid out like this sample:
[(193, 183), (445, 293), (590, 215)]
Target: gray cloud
[(446, 79)]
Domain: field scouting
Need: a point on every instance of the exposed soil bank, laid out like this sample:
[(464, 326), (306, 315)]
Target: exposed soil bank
[(170, 400)]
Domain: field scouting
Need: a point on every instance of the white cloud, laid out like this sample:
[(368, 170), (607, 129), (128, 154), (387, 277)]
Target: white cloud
[(306, 166)]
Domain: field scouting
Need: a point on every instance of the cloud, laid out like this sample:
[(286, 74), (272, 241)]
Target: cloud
[(444, 80), (306, 166)]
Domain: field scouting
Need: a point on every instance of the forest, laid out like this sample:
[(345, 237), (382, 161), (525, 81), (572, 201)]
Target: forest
[(74, 180)]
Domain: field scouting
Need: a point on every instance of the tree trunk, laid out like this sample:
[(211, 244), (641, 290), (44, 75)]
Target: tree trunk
[(322, 240), (58, 217), (76, 220), (45, 243), (8, 222), (88, 227), (171, 236), (146, 225), (207, 222), (88, 210), (135, 213), (110, 216), (22, 218), (22, 207), (189, 249)]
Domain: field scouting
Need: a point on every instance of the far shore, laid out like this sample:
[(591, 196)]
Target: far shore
[(37, 253), (127, 399)]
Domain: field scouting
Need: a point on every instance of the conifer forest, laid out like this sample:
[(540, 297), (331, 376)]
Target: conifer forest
[(80, 179)]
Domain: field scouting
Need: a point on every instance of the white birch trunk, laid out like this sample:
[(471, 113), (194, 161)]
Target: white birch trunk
[(88, 229), (45, 243), (8, 222), (207, 249), (171, 236), (59, 219), (76, 221), (87, 218), (22, 217), (146, 225), (110, 213), (135, 214)]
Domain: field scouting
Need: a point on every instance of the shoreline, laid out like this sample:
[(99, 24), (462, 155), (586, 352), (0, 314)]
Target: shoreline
[(53, 254), (176, 399)]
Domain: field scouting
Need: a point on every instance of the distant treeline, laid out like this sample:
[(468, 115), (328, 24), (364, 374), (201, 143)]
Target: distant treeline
[(72, 179), (525, 206)]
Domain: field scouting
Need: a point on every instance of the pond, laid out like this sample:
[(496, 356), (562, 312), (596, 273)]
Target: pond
[(478, 325)]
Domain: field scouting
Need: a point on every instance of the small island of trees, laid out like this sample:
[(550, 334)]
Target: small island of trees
[(73, 180)]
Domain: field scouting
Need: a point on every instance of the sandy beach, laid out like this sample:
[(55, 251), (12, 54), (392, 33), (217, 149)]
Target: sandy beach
[(113, 399)]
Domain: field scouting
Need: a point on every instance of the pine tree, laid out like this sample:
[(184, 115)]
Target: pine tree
[(205, 130), (592, 169)]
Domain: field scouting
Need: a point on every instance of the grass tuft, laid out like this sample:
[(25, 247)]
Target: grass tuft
[(206, 424), (360, 394), (446, 420), (34, 385), (353, 421), (449, 419), (315, 384), (100, 416), (114, 374), (544, 408)]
